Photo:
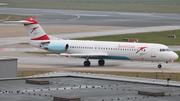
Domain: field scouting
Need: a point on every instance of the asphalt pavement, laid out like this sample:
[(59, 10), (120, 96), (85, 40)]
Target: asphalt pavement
[(98, 18)]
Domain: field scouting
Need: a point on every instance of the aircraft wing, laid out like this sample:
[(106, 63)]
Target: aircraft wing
[(84, 54)]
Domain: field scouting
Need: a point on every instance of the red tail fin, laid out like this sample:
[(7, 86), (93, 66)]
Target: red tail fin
[(34, 29)]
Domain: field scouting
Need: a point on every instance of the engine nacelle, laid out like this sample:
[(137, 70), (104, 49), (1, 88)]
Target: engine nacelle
[(57, 47)]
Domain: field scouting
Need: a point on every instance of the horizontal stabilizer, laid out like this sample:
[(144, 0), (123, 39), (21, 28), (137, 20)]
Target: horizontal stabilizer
[(25, 22), (21, 21)]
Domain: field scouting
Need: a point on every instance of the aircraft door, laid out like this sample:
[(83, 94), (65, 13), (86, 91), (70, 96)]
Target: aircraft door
[(153, 53)]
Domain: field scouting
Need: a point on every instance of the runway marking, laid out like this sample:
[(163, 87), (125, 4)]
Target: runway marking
[(3, 4), (136, 14), (150, 15), (76, 17), (91, 15), (65, 13)]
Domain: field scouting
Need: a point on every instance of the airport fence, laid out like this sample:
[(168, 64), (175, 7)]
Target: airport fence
[(152, 76)]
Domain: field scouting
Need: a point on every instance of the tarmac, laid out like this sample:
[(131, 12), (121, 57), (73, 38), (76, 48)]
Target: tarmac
[(96, 18), (89, 87)]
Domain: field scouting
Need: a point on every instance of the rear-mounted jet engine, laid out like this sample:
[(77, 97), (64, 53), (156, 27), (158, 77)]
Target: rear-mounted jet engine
[(57, 47)]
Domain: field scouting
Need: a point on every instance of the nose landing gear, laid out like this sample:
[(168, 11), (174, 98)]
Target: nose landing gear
[(159, 66)]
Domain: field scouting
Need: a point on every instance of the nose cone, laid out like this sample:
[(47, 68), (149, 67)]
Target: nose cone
[(174, 56)]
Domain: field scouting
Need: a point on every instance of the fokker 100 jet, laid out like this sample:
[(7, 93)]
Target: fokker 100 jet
[(98, 49)]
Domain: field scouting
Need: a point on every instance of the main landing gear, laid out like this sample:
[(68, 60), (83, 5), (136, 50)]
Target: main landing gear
[(101, 62), (87, 63)]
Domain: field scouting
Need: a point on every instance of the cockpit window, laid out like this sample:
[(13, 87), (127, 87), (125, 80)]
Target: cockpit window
[(162, 50), (168, 50)]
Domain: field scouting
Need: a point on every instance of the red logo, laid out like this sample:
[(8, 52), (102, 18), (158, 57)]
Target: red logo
[(33, 29), (140, 48)]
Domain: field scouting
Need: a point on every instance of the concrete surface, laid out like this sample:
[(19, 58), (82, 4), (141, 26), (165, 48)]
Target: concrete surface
[(91, 87)]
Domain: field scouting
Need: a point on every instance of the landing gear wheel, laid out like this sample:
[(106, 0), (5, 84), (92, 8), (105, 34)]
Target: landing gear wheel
[(159, 66), (101, 62), (87, 63)]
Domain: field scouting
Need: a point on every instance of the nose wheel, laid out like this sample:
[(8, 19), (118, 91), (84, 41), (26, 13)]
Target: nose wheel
[(159, 66)]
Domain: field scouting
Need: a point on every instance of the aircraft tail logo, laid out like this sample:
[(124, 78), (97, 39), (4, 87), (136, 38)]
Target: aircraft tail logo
[(34, 30)]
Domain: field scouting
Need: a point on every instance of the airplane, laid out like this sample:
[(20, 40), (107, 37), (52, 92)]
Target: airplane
[(97, 49)]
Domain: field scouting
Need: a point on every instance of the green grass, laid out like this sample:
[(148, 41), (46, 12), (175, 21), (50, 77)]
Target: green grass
[(178, 53), (30, 73), (150, 37), (163, 6), (13, 17), (151, 75)]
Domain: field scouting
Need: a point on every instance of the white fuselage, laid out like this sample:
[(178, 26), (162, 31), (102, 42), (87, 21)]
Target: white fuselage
[(117, 50), (97, 49)]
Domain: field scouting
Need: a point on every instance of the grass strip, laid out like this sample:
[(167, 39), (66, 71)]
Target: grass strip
[(178, 53), (13, 17), (148, 37), (31, 73)]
